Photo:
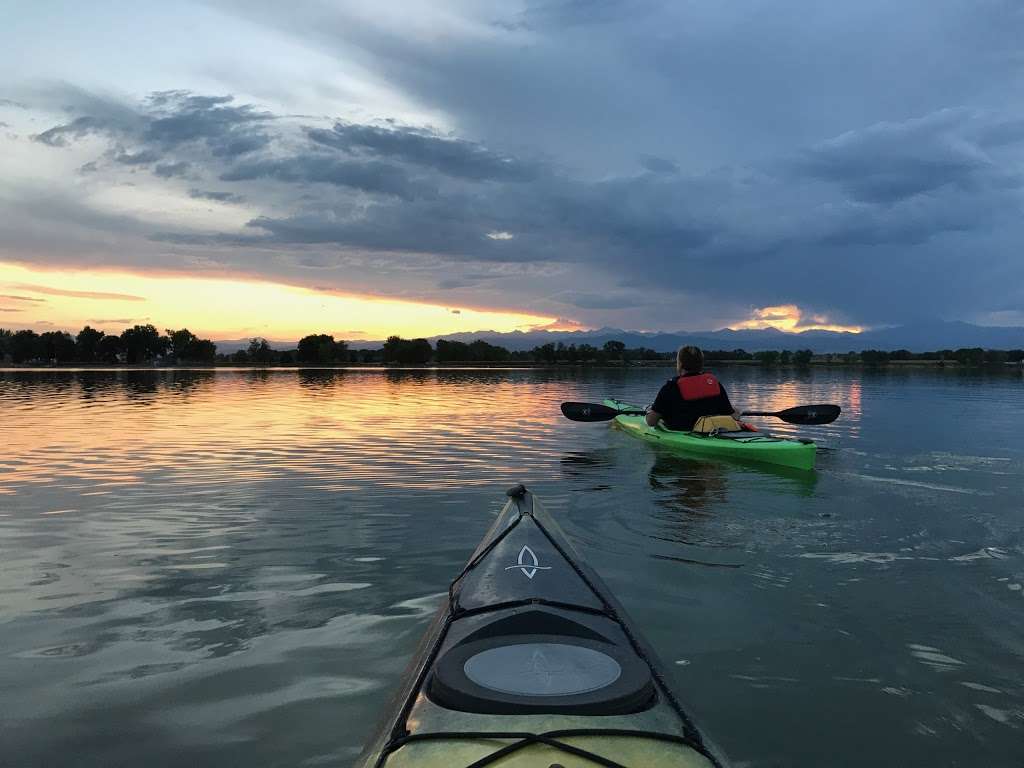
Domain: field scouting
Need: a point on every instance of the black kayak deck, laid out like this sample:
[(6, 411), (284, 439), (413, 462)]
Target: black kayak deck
[(529, 644)]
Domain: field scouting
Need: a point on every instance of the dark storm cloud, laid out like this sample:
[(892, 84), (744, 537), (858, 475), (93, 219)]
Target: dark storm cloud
[(170, 170), (145, 157), (452, 157), (167, 125), (864, 200), (365, 175), (62, 135), (596, 300), (658, 164), (219, 197), (226, 129), (737, 152), (893, 161)]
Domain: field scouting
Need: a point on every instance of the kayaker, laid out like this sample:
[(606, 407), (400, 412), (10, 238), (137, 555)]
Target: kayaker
[(694, 393)]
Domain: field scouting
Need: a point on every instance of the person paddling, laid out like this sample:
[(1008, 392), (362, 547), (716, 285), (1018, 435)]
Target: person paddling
[(693, 400)]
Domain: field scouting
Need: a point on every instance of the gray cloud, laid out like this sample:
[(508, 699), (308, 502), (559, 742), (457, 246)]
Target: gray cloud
[(892, 161), (787, 161), (887, 186), (80, 294), (597, 300), (145, 157), (658, 164), (62, 135), (365, 175), (450, 156), (170, 170), (227, 130), (220, 197)]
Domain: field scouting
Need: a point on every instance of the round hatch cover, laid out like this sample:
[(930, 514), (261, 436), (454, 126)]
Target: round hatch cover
[(530, 674), (542, 669)]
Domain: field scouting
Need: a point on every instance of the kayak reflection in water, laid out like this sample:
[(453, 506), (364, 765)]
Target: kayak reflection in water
[(693, 400)]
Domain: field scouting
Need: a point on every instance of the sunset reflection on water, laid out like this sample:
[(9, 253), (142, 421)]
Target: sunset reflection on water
[(232, 566)]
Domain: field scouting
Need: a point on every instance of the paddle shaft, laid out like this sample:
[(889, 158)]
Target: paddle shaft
[(802, 414)]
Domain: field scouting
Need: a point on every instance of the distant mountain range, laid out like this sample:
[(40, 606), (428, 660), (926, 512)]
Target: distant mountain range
[(917, 337)]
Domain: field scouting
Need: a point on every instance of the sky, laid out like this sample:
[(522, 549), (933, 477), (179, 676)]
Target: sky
[(365, 168)]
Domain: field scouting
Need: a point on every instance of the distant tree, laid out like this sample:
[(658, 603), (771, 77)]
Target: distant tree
[(614, 350), (481, 351), (451, 351), (24, 346), (321, 348), (785, 357), (874, 357), (995, 357), (185, 346), (546, 353), (240, 356), (202, 351), (56, 346), (5, 343), (370, 355), (901, 354), (418, 351), (803, 357), (108, 349), (399, 350), (142, 343), (260, 352), (767, 357), (181, 342), (87, 344), (970, 356)]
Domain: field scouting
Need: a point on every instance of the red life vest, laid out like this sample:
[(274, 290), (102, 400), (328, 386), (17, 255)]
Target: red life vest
[(698, 387)]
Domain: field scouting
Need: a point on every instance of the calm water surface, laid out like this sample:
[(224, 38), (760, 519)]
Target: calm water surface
[(232, 568)]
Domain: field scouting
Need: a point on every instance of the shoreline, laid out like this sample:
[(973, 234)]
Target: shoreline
[(508, 365)]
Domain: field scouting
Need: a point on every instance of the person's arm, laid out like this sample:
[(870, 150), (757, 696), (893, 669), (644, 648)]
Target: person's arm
[(660, 407), (728, 407)]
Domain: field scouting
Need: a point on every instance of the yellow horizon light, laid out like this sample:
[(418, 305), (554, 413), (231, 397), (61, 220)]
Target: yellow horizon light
[(224, 308), (790, 318)]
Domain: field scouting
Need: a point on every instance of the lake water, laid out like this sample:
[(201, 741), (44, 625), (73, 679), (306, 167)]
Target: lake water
[(231, 568)]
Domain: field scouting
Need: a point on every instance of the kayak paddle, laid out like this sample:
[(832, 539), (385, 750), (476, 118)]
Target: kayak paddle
[(807, 415), (594, 412), (803, 414)]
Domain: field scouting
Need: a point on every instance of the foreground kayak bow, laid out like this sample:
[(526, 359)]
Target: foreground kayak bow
[(531, 662)]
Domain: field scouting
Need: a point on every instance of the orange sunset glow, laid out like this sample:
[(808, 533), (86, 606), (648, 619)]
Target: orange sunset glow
[(790, 318), (225, 308)]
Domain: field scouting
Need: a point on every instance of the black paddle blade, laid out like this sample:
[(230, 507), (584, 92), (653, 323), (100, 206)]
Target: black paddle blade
[(810, 415), (588, 412)]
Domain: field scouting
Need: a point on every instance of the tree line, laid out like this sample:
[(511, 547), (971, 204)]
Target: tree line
[(144, 344), (135, 345), (966, 356)]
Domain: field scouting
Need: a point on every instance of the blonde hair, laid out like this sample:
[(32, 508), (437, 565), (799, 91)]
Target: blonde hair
[(689, 359)]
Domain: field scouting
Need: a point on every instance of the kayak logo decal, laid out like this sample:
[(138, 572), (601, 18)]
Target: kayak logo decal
[(528, 563)]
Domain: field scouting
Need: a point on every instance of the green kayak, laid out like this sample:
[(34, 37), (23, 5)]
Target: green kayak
[(744, 446), (531, 663)]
